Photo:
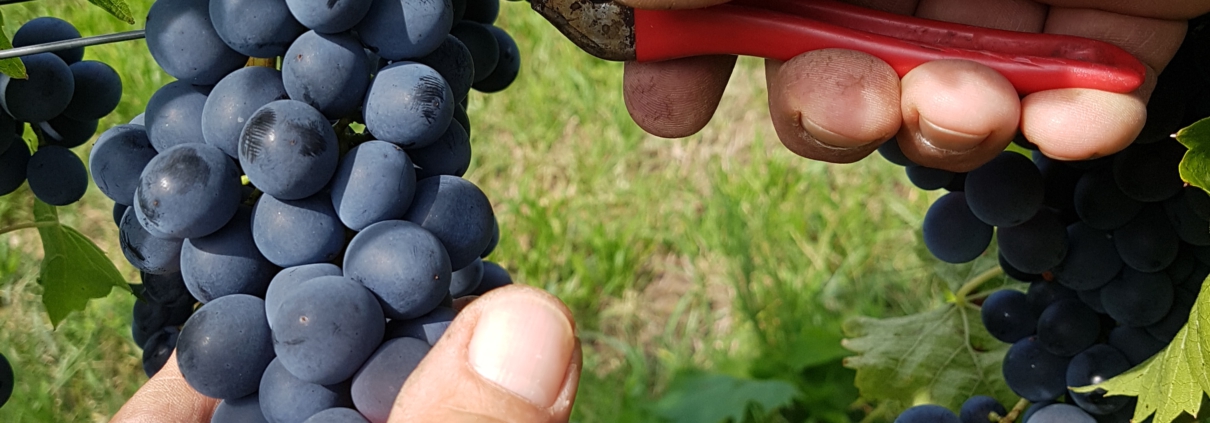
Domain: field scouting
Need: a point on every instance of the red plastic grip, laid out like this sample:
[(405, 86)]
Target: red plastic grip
[(782, 29)]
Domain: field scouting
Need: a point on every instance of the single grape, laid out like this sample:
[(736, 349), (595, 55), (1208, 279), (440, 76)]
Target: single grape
[(1033, 373), (296, 232), (1092, 258), (7, 380), (1148, 243), (508, 67), (158, 348), (1006, 191), (329, 16), (1101, 204), (398, 29), (1149, 172), (288, 150), (1187, 222), (326, 328), (174, 115), (239, 410), (165, 289), (148, 318), (43, 95), (979, 408), (146, 252), (1167, 328), (449, 155), (485, 50), (183, 42), (337, 415), (464, 281), (1042, 294), (453, 61), (1008, 316), (1135, 298), (1135, 343), (98, 90), (926, 178), (225, 347), (256, 28), (457, 212), (482, 11), (890, 151), (1092, 299), (952, 233), (117, 159), (47, 29), (1067, 327), (1035, 246), (378, 382), (427, 328), (408, 104), (57, 175), (1061, 413), (494, 277), (491, 245), (927, 413), (285, 398), (326, 71), (375, 182), (403, 264), (287, 279), (67, 132), (233, 101), (226, 262)]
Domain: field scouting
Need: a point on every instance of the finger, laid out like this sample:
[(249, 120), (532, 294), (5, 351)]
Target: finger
[(512, 355), (1078, 124), (957, 114), (670, 4), (166, 397), (833, 105), (675, 98), (1010, 15), (1161, 9)]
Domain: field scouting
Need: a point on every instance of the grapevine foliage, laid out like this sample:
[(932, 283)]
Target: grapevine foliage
[(11, 67), (74, 270), (1174, 381), (710, 397), (118, 8)]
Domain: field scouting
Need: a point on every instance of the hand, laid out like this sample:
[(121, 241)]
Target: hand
[(840, 105), (510, 356)]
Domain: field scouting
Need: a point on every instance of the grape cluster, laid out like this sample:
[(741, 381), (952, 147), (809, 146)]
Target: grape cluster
[(1115, 251), (62, 100), (302, 181)]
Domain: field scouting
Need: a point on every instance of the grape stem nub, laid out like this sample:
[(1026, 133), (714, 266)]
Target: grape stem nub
[(973, 284)]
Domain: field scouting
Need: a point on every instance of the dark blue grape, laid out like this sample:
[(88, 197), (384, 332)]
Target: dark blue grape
[(1167, 328), (287, 279), (453, 61), (464, 281), (6, 380), (288, 150), (1015, 273), (457, 212), (329, 16), (1060, 180), (1061, 413), (1101, 204), (1189, 226), (398, 29), (233, 101), (165, 289), (927, 178), (56, 175), (146, 252), (1149, 172), (494, 277), (1193, 282), (174, 115), (46, 29), (295, 232), (184, 43), (890, 151), (1148, 243), (226, 262), (1006, 191), (149, 318), (257, 28), (1033, 373), (10, 132), (225, 347), (482, 11), (427, 328), (337, 415), (485, 50), (1091, 261), (158, 348), (1036, 246), (117, 159), (118, 210), (98, 90), (927, 413), (378, 382), (1135, 343), (1042, 294), (239, 410), (375, 182), (449, 155), (1093, 366), (326, 71), (13, 164), (1135, 298), (408, 104), (326, 328), (285, 398), (1198, 200), (1068, 327), (44, 94), (188, 191), (403, 264), (952, 233), (1008, 316), (508, 67), (1033, 408), (979, 408), (67, 132), (1183, 266), (491, 245), (1092, 299)]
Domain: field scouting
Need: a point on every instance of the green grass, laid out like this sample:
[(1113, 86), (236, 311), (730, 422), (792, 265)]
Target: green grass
[(720, 252)]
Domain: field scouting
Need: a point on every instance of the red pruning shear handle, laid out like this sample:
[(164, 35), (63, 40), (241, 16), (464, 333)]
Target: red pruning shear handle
[(782, 29)]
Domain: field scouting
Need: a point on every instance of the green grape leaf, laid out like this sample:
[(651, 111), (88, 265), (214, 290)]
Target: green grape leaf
[(941, 357), (696, 397), (74, 270), (1173, 381), (14, 67), (1195, 166), (118, 8)]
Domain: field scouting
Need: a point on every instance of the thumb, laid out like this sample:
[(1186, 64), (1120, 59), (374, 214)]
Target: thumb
[(166, 397), (511, 356)]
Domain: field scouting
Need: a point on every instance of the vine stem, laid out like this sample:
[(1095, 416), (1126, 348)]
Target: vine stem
[(28, 225), (975, 283), (1012, 415)]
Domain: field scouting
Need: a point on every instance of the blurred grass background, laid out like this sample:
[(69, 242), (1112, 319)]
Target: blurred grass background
[(721, 257)]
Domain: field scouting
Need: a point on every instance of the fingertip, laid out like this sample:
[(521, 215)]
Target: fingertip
[(675, 98), (1081, 124), (167, 397)]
